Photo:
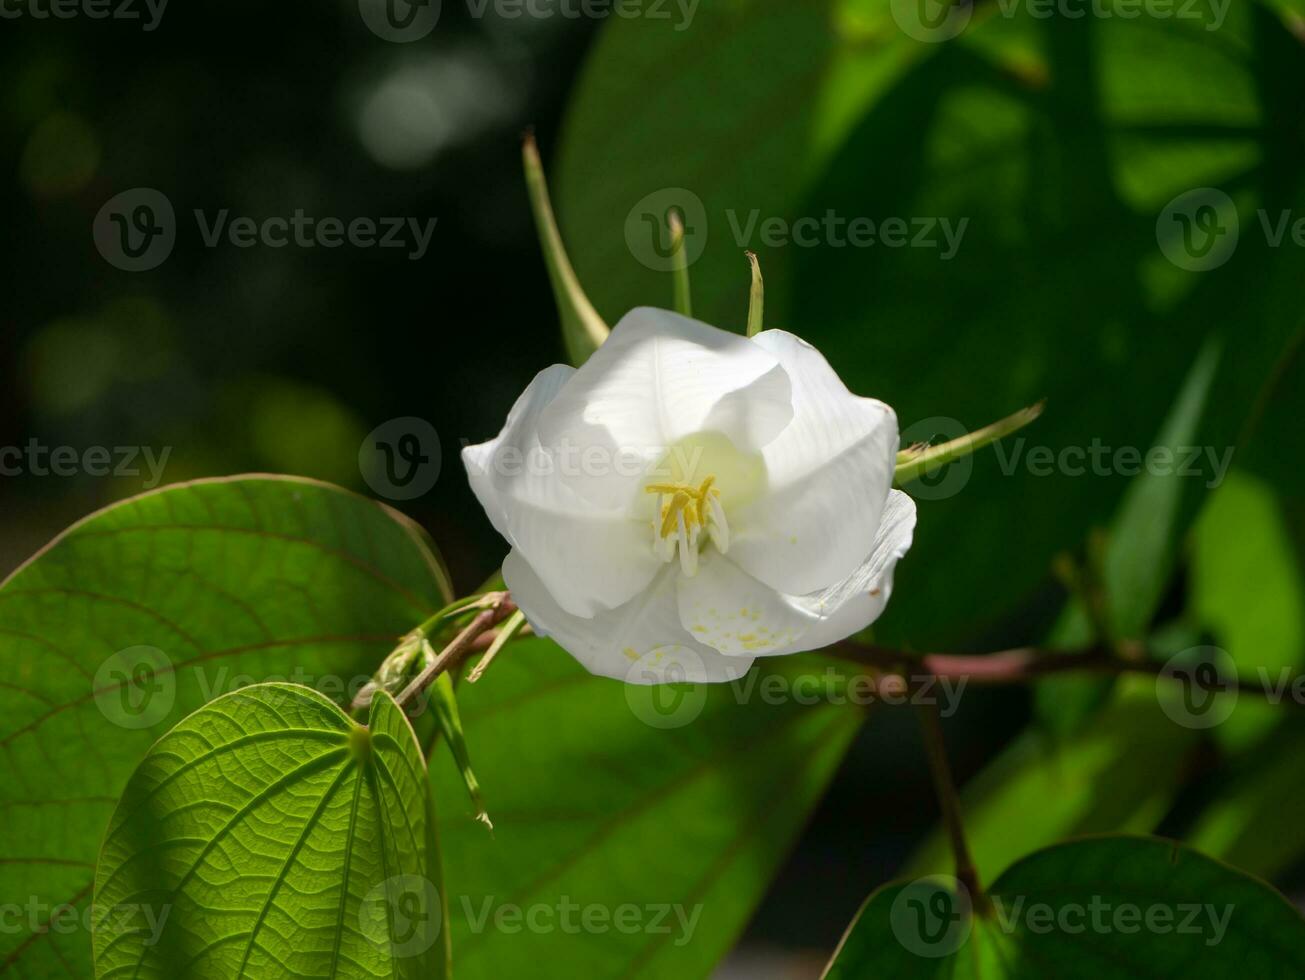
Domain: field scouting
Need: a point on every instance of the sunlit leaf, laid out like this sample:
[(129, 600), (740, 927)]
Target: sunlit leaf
[(268, 834)]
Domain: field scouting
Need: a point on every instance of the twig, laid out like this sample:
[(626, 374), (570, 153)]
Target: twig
[(1024, 664), (459, 646), (949, 801)]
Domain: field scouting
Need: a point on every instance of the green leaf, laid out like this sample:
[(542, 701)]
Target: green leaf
[(1139, 555), (1248, 590), (1255, 822), (659, 813), (141, 613), (1101, 908), (269, 834)]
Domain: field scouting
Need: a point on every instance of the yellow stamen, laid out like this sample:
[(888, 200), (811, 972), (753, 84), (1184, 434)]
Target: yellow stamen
[(683, 512), (670, 520), (686, 499)]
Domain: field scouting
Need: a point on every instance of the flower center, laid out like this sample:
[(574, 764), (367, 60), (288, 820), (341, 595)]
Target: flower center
[(683, 513)]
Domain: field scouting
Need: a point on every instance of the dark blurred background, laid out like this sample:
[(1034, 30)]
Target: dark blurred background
[(284, 359), (272, 359)]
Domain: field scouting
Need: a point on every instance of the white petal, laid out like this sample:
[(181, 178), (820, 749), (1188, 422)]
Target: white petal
[(855, 603), (487, 459), (829, 474), (591, 559), (628, 643), (730, 611), (658, 378)]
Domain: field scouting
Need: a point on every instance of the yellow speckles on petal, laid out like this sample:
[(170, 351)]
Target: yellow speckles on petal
[(699, 628), (631, 653)]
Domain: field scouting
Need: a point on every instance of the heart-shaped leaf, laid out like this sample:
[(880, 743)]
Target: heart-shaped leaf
[(268, 835), (139, 614), (1097, 908)]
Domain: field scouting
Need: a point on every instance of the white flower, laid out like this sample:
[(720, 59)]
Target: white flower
[(690, 499)]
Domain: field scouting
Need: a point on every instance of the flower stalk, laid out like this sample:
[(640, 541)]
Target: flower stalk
[(582, 327), (922, 459)]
